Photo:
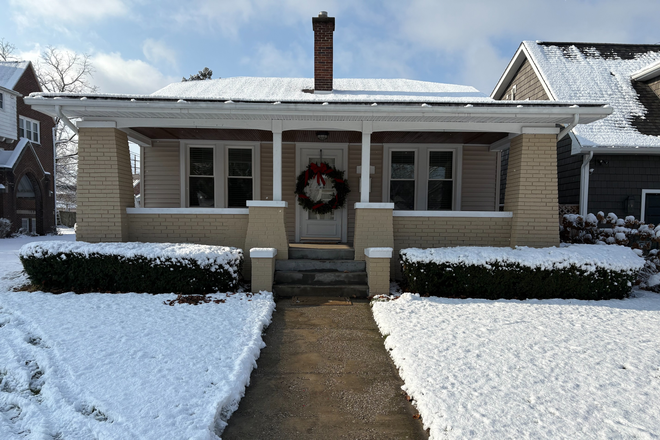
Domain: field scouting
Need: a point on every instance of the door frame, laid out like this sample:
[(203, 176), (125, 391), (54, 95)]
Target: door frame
[(299, 209)]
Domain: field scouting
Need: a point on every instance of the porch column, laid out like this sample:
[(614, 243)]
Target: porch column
[(366, 161), (531, 190), (373, 227), (105, 185), (277, 161)]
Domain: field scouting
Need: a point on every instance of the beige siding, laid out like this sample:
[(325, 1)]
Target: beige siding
[(288, 182), (528, 85), (162, 181), (479, 184), (654, 84), (376, 190)]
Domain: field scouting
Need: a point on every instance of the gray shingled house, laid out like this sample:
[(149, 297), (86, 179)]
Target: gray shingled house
[(613, 164)]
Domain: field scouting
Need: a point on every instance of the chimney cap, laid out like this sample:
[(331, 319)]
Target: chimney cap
[(323, 14)]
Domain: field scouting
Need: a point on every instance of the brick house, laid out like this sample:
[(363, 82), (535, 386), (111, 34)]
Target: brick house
[(611, 165), (27, 196), (220, 159)]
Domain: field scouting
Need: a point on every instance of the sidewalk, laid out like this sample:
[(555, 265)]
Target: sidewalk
[(324, 374)]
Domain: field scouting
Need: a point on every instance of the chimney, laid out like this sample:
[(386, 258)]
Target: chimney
[(323, 27)]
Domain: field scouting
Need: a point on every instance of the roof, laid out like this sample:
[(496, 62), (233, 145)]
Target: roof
[(9, 158), (11, 72), (602, 72)]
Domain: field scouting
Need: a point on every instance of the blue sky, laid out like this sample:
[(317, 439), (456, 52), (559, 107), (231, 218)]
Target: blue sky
[(138, 46)]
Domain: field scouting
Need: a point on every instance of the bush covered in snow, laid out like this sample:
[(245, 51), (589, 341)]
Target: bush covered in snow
[(577, 271), (5, 227), (609, 230), (132, 267)]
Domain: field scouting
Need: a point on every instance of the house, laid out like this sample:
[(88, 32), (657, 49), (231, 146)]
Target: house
[(221, 159), (610, 165), (27, 164)]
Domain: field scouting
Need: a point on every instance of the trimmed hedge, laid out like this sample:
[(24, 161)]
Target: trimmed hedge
[(132, 267), (505, 279)]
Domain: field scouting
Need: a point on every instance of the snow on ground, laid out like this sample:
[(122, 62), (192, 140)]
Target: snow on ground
[(121, 366), (528, 369)]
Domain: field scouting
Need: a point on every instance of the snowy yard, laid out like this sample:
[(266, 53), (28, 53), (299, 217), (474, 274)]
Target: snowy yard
[(120, 366), (528, 369)]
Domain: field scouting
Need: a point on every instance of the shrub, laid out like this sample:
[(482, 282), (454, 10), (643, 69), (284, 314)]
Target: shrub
[(609, 229), (578, 271), (5, 227), (132, 267)]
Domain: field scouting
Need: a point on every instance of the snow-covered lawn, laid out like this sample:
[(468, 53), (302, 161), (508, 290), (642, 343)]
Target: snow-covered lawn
[(123, 366), (546, 369)]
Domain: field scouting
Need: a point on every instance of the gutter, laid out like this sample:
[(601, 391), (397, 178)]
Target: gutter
[(67, 121), (584, 183), (569, 127)]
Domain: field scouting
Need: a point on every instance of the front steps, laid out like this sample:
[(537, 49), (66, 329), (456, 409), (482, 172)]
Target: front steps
[(321, 270)]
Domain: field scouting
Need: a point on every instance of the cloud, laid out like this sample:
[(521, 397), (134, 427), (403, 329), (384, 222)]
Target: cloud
[(113, 74), (157, 52), (268, 60), (74, 11)]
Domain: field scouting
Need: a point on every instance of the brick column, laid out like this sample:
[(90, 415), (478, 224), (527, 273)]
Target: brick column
[(263, 269), (373, 227), (266, 227), (105, 185), (378, 269), (531, 190)]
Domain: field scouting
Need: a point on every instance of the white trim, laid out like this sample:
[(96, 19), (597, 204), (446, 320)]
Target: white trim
[(137, 138), (31, 121), (498, 180), (374, 205), (256, 181), (644, 193), (516, 62), (141, 177), (648, 72), (378, 252), (540, 130), (96, 124), (584, 184), (267, 203), (183, 150), (466, 214), (263, 252), (214, 211)]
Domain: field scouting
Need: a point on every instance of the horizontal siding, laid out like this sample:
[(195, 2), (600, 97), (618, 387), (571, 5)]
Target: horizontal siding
[(528, 85), (162, 182), (479, 183), (8, 119), (654, 84)]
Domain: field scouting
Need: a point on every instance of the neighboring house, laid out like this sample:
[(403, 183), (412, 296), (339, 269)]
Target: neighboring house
[(220, 159), (611, 165), (27, 196)]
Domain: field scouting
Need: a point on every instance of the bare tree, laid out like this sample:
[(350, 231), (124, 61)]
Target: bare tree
[(6, 50), (61, 71)]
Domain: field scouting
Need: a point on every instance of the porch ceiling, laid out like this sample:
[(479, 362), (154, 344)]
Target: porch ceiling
[(464, 138)]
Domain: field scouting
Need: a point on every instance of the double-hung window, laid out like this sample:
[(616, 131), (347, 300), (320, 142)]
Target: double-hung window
[(29, 128), (423, 178), (2, 100), (221, 176)]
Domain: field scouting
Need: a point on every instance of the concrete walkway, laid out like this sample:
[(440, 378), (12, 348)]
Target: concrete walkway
[(324, 374)]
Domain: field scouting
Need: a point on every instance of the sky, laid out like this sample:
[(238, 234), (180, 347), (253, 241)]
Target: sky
[(139, 46)]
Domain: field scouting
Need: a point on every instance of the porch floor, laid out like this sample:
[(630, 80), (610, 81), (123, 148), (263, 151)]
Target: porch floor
[(312, 245), (324, 374)]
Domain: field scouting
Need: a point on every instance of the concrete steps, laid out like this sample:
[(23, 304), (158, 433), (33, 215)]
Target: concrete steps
[(323, 270)]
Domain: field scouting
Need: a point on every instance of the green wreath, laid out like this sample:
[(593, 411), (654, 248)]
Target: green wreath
[(320, 172)]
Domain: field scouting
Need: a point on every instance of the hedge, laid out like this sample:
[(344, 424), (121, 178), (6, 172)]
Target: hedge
[(584, 272), (132, 267)]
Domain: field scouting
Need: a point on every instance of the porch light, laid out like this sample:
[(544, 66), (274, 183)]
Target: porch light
[(322, 135)]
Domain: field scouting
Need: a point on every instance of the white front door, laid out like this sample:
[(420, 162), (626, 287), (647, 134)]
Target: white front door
[(321, 227)]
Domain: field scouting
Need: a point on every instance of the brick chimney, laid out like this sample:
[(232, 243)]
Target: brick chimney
[(323, 27)]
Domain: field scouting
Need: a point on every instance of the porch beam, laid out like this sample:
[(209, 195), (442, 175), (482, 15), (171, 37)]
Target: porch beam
[(277, 160), (367, 129)]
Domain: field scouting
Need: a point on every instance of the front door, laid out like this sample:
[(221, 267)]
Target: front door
[(321, 227)]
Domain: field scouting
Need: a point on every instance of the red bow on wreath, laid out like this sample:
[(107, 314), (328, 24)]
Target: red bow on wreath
[(318, 171)]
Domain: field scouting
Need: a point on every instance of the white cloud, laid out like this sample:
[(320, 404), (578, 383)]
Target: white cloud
[(270, 61), (157, 52), (67, 10), (113, 74)]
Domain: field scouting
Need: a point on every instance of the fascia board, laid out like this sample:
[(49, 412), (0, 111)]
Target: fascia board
[(539, 74), (653, 151), (647, 73)]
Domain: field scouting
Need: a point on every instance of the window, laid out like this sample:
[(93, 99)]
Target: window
[(25, 189), (220, 176), (424, 178), (2, 100), (201, 182), (28, 128), (651, 206)]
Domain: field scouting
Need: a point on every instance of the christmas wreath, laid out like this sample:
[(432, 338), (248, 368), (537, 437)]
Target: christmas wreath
[(316, 177)]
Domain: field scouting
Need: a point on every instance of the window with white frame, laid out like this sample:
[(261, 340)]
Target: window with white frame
[(651, 206), (29, 128), (423, 178), (220, 176), (2, 100)]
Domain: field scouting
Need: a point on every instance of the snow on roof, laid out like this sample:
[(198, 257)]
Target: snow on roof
[(10, 72), (599, 72), (253, 89)]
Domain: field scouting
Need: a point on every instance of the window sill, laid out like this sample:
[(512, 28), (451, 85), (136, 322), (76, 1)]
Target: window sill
[(189, 211), (480, 214)]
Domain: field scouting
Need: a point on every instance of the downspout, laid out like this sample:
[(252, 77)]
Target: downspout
[(53, 134), (67, 121), (569, 127), (584, 183)]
